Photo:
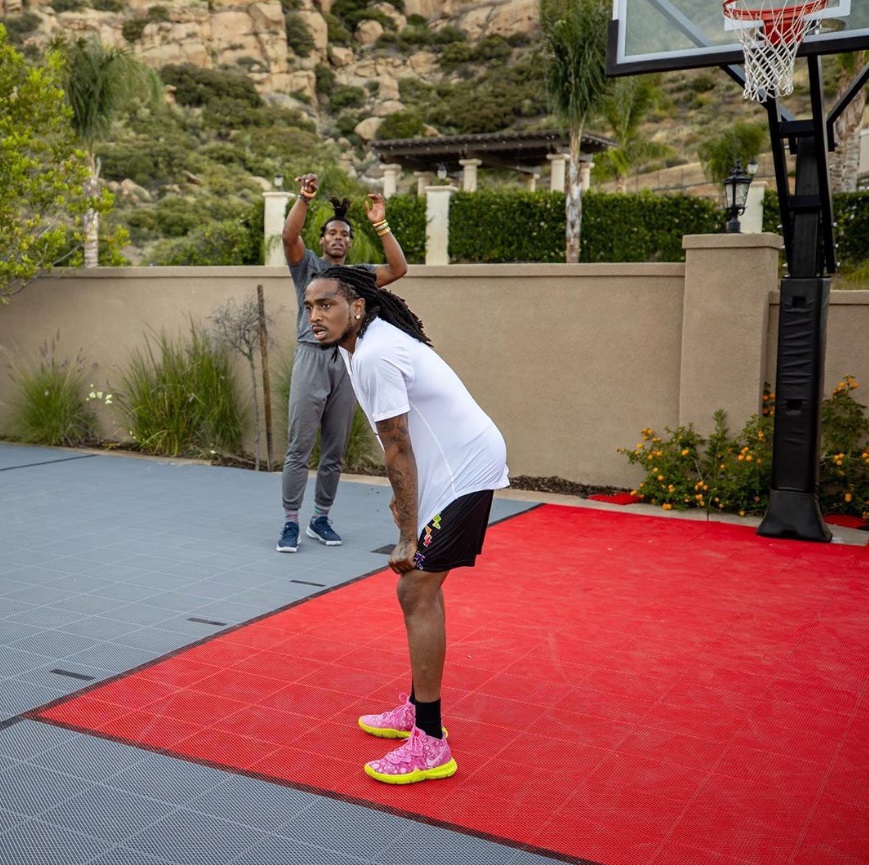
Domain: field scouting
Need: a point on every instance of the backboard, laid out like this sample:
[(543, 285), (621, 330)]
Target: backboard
[(656, 35)]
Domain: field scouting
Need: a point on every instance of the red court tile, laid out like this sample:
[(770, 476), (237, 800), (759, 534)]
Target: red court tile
[(651, 692)]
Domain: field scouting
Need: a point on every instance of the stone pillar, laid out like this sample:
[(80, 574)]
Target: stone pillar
[(273, 225), (437, 219), (585, 167), (391, 173), (423, 181), (557, 166), (725, 321), (751, 221), (469, 173), (531, 181)]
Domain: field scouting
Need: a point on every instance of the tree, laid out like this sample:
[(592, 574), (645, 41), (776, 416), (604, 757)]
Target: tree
[(844, 161), (574, 38), (627, 103), (740, 141), (101, 82), (42, 174)]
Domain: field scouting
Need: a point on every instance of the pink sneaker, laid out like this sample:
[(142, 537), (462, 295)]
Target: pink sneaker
[(394, 724), (420, 758)]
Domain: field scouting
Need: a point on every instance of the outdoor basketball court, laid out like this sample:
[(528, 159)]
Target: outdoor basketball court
[(621, 687)]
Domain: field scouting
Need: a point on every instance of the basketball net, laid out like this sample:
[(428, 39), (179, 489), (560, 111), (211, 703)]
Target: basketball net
[(770, 35)]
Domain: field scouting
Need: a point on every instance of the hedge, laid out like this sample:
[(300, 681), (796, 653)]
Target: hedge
[(511, 226)]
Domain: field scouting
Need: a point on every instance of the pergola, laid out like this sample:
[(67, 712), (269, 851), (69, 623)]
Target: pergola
[(528, 153)]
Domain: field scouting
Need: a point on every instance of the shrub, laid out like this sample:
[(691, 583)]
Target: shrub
[(108, 5), (299, 36), (197, 87), (180, 397), (51, 406), (19, 27), (682, 470), (346, 97), (325, 78), (401, 124), (226, 243), (133, 28)]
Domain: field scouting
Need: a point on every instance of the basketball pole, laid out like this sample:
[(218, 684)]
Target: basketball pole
[(808, 231)]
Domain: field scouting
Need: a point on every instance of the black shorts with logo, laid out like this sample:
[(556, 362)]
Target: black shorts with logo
[(454, 538)]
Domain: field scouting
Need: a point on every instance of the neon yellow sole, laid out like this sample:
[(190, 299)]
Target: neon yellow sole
[(436, 774), (389, 732)]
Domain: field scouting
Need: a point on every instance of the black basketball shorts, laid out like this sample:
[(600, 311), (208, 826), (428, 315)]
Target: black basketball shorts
[(454, 538)]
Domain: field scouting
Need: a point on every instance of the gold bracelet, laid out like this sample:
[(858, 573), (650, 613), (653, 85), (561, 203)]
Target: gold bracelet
[(306, 197), (380, 224), (383, 231)]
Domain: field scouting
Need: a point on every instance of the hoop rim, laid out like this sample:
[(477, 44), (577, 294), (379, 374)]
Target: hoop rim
[(759, 16)]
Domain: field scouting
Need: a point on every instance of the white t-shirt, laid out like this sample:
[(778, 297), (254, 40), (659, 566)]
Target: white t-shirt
[(458, 448)]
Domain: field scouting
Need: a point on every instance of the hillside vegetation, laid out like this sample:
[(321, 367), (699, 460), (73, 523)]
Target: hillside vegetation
[(304, 89)]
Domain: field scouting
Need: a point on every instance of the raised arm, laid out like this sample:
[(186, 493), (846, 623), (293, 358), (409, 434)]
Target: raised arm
[(401, 471), (294, 246), (396, 264)]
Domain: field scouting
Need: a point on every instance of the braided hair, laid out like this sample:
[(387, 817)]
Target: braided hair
[(360, 282), (340, 212)]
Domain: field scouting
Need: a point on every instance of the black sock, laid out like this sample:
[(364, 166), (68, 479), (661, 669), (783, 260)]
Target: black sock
[(428, 718), (412, 697)]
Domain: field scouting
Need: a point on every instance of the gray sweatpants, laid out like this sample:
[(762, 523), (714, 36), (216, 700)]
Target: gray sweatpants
[(321, 397)]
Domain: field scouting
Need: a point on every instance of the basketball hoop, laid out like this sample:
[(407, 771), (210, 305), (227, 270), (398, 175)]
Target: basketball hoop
[(770, 35)]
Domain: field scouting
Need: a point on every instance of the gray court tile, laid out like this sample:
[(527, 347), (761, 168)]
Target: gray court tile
[(113, 815), (167, 779), (34, 842), (111, 656), (256, 803), (32, 790), (353, 830), (286, 851), (89, 757), (140, 614), (45, 617), (38, 594), (231, 612), (56, 644), (195, 630), (11, 608), (8, 819), (125, 592), (25, 739), (175, 601), (11, 631), (59, 685), (91, 605), (14, 661), (17, 697), (443, 848), (156, 640), (196, 838), (80, 583), (523, 857), (33, 574), (126, 856), (100, 628)]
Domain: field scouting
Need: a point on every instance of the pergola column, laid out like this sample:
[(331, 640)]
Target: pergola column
[(423, 181), (437, 227), (557, 165), (273, 225), (585, 167), (531, 181), (469, 173), (391, 173)]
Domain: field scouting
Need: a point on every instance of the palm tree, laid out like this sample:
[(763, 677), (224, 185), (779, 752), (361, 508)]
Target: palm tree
[(844, 161), (100, 82), (574, 38), (624, 108)]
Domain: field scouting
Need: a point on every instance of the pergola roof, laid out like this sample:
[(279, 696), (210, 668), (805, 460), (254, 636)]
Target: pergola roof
[(517, 151)]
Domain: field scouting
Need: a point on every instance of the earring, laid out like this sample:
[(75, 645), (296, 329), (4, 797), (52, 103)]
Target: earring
[(358, 316)]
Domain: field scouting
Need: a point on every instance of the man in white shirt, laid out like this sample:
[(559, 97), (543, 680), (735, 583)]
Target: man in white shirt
[(444, 458)]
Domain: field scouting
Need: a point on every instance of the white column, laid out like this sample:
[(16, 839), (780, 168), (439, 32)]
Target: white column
[(469, 173), (391, 173), (531, 179), (423, 181), (585, 167), (437, 219), (751, 222), (273, 225), (557, 165)]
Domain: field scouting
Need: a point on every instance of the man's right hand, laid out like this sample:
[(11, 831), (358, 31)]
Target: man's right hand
[(307, 184)]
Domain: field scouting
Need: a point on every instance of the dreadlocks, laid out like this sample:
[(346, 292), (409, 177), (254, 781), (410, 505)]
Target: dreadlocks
[(360, 282), (340, 209)]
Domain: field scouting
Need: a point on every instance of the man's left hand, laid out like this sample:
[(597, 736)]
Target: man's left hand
[(375, 207), (403, 557)]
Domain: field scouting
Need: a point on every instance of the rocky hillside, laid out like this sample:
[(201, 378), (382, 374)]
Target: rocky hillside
[(280, 45)]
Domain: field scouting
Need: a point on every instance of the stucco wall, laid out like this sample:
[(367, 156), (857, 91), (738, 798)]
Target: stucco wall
[(571, 361)]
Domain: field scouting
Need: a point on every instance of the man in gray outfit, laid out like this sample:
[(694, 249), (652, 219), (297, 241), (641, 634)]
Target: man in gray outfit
[(321, 396)]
